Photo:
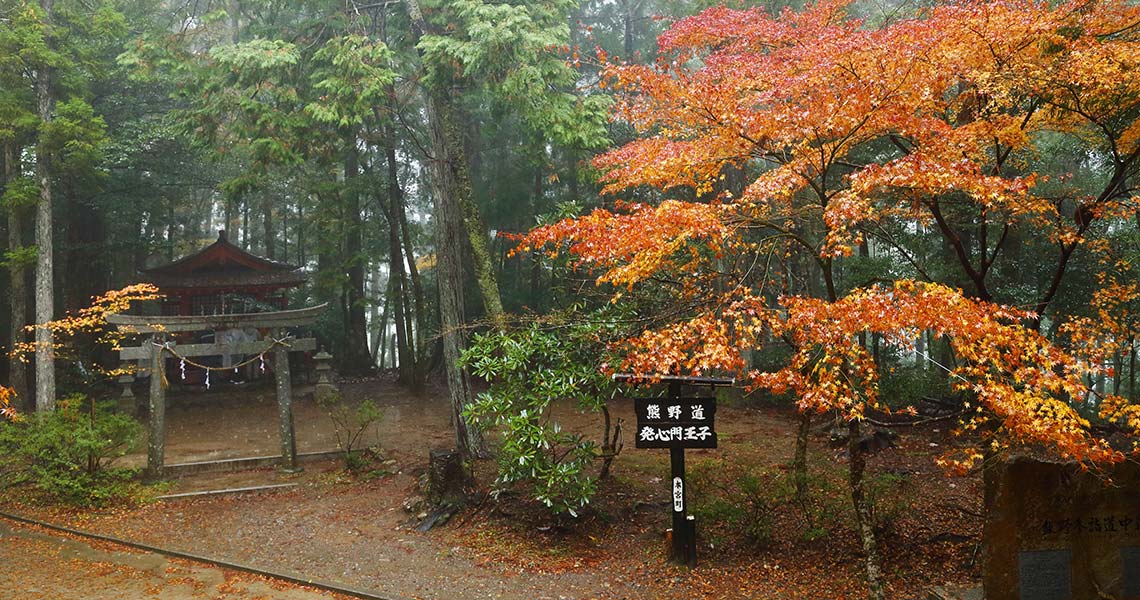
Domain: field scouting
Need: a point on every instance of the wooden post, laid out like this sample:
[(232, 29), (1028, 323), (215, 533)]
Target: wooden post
[(677, 423), (285, 404), (156, 444), (683, 550)]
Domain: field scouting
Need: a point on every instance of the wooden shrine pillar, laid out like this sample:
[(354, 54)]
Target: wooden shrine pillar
[(285, 403), (156, 442)]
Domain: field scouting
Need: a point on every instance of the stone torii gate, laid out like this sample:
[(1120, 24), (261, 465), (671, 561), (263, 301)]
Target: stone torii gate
[(158, 343)]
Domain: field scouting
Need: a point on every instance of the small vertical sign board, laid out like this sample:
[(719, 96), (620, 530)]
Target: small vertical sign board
[(677, 423)]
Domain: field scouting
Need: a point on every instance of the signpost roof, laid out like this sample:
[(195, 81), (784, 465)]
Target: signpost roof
[(650, 378)]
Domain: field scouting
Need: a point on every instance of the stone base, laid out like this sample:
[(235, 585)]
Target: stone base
[(325, 392), (1054, 530)]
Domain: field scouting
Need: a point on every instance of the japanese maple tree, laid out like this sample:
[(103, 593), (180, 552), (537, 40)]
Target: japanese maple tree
[(767, 142)]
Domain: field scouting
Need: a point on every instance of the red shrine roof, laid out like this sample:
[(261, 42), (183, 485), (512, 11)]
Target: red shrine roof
[(224, 265)]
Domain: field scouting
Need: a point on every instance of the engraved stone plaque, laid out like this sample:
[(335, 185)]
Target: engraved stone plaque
[(1130, 558), (1045, 575), (1055, 531)]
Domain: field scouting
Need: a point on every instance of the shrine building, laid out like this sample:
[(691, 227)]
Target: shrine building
[(223, 279)]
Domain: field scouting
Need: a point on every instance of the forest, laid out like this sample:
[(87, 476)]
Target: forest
[(868, 216)]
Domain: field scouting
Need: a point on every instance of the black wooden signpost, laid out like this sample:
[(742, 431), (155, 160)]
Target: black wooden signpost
[(676, 423)]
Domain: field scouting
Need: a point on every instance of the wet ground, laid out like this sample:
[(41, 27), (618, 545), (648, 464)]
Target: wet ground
[(40, 565), (241, 421), (354, 529)]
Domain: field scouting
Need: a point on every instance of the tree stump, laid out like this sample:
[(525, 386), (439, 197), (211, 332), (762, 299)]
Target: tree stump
[(447, 479)]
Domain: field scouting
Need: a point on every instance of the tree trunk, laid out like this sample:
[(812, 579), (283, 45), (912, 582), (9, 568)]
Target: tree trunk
[(378, 345), (45, 296), (356, 357), (920, 350), (627, 30), (233, 24), (863, 525), (447, 126), (267, 225), (83, 267), (449, 182), (536, 193), (411, 314), (799, 461), (301, 258), (1132, 395), (1117, 372), (18, 295), (476, 231), (417, 291), (245, 237), (285, 230), (406, 344), (373, 311), (449, 233), (397, 287)]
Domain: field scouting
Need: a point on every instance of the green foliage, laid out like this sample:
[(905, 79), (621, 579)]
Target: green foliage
[(744, 503), (529, 369), (20, 192), (250, 62), (903, 386), (351, 76), (68, 454), (247, 95), (349, 425), (740, 499), (511, 49), (76, 135), (888, 496), (22, 257)]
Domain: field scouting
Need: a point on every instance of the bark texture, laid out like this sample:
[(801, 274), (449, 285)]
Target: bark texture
[(449, 183), (398, 288), (18, 294), (863, 522), (45, 295), (356, 356)]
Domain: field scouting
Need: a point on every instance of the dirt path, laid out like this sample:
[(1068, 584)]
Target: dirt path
[(327, 534), (328, 527), (357, 537), (355, 531), (41, 566)]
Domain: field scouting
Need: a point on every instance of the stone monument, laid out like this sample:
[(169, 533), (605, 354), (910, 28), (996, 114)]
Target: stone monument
[(1056, 532)]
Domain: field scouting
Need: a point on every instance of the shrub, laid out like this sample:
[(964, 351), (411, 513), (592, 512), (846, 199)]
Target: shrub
[(529, 369), (734, 499), (349, 426), (69, 454), (889, 496)]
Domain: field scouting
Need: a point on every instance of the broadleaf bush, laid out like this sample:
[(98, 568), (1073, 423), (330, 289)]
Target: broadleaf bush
[(529, 369), (69, 454)]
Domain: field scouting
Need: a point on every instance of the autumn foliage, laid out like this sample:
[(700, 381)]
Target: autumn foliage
[(92, 319), (763, 140), (91, 322), (6, 396)]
